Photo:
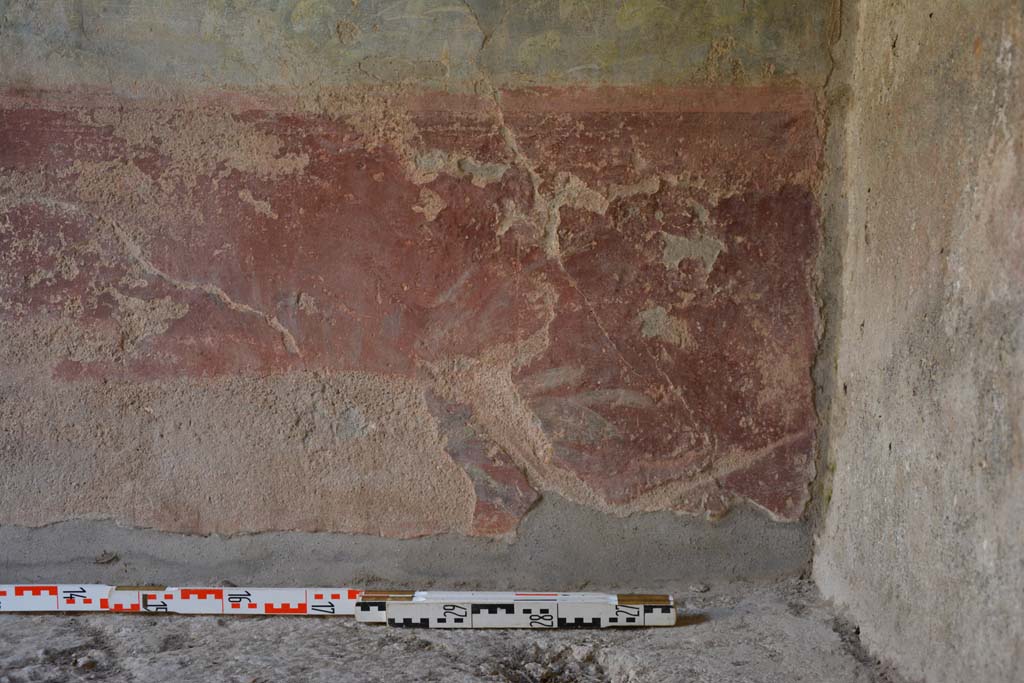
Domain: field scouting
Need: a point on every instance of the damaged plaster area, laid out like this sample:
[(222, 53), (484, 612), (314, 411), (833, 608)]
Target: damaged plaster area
[(657, 322), (536, 310), (704, 250), (413, 265)]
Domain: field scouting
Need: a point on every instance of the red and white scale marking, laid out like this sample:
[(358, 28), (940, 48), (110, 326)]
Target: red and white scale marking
[(427, 609), (186, 600)]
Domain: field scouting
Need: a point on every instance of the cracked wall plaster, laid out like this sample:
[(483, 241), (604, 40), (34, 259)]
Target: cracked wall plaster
[(389, 297)]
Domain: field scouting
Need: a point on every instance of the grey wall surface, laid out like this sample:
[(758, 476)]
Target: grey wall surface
[(923, 534), (560, 546)]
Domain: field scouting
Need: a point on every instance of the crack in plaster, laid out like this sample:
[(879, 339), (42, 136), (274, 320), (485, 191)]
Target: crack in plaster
[(571, 192), (133, 250), (720, 468), (550, 209)]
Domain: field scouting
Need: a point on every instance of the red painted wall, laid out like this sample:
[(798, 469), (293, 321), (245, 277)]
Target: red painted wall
[(633, 267)]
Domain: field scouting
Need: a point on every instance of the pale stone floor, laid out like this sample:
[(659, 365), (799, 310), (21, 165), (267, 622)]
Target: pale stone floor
[(776, 632)]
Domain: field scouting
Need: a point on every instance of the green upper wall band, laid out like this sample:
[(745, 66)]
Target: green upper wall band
[(435, 44)]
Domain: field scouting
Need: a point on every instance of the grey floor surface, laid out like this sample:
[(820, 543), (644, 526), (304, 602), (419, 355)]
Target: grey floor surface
[(762, 632)]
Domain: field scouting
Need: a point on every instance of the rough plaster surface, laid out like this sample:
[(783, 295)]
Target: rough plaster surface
[(291, 284), (734, 634), (923, 539)]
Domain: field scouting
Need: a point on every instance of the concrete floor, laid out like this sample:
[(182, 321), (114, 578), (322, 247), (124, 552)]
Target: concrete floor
[(731, 634)]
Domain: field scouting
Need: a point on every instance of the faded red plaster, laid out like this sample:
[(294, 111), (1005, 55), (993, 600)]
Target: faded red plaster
[(503, 493), (658, 381)]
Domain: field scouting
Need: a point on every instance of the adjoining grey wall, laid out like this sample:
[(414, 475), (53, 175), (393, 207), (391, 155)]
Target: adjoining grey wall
[(923, 531)]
